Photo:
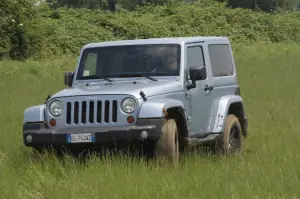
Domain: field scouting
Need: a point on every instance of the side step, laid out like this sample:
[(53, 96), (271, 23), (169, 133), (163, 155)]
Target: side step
[(198, 141)]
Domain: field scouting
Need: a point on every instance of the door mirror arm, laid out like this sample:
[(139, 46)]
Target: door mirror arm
[(192, 85)]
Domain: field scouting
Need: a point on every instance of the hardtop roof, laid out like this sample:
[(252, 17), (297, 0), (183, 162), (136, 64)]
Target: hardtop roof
[(170, 40)]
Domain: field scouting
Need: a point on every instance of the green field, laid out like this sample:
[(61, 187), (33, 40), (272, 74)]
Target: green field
[(268, 167)]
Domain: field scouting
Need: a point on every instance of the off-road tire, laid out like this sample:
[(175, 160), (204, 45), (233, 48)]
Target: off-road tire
[(232, 138), (167, 147)]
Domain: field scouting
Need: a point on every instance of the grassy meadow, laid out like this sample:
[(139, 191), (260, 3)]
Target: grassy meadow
[(268, 167)]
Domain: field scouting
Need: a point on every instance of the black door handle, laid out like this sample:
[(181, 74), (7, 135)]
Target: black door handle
[(208, 88)]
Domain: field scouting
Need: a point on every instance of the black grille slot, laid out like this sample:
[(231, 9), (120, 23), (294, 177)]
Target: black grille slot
[(91, 112), (83, 113), (114, 111), (76, 112), (69, 108), (99, 111), (106, 114)]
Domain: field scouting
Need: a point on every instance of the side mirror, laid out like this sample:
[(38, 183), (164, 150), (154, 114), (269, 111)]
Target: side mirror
[(69, 78), (197, 73)]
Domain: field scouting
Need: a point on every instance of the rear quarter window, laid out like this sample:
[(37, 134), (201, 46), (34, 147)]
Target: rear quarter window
[(221, 60)]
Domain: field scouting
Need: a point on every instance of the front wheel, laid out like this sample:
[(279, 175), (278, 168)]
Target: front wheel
[(167, 146)]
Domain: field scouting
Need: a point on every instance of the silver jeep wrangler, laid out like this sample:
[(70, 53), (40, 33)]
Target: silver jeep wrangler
[(166, 93)]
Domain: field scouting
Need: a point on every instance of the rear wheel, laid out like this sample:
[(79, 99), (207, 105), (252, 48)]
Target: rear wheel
[(232, 139), (167, 147)]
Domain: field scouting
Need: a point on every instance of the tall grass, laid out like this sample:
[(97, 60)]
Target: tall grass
[(268, 167)]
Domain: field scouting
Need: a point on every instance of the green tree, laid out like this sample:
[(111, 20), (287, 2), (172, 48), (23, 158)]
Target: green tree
[(13, 15), (107, 4), (288, 4), (264, 5), (90, 4)]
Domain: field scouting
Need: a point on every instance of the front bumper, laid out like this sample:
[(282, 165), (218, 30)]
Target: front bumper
[(39, 134)]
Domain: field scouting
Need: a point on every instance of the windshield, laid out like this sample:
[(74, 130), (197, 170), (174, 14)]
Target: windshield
[(131, 60)]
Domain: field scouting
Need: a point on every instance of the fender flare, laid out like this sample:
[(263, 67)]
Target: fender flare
[(34, 114), (154, 108), (222, 111)]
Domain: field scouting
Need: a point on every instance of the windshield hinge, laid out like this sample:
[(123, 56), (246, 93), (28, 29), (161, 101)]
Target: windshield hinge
[(143, 96)]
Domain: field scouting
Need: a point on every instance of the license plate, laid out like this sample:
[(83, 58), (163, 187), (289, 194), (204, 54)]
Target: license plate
[(81, 138)]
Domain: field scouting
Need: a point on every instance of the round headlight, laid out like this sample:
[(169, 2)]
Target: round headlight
[(128, 105), (56, 108)]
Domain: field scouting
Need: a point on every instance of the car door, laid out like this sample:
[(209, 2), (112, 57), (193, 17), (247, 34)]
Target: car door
[(200, 98)]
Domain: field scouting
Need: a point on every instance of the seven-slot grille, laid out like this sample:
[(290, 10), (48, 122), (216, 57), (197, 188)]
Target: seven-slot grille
[(91, 112)]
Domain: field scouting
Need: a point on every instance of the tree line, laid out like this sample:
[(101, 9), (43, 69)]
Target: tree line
[(112, 5), (27, 29)]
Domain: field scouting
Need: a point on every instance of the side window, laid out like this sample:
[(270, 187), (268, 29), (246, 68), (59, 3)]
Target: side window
[(221, 60), (194, 56), (90, 65)]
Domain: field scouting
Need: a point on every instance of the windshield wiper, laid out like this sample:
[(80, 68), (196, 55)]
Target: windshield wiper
[(137, 75), (105, 78), (109, 80), (96, 77)]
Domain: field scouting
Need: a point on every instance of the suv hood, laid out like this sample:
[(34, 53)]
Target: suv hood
[(126, 88)]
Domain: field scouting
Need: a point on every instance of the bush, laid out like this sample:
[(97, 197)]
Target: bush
[(66, 30), (13, 14), (53, 37)]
